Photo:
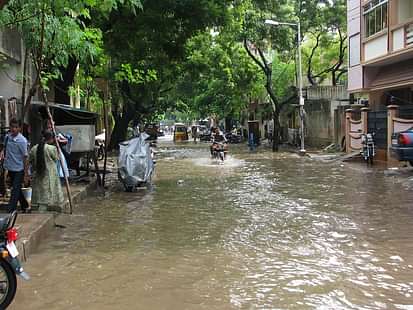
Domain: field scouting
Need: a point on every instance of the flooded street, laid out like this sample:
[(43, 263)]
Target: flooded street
[(262, 231)]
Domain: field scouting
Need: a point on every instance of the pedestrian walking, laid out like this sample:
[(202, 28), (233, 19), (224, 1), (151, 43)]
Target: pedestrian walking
[(251, 141), (47, 189), (194, 132), (15, 155)]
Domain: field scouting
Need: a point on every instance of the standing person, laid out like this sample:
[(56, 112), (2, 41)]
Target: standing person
[(194, 132), (47, 189), (251, 141), (15, 162)]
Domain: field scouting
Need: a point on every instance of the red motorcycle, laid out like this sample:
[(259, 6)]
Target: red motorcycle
[(9, 263)]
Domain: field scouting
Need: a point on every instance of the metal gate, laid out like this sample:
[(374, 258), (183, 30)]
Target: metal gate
[(406, 111), (377, 123)]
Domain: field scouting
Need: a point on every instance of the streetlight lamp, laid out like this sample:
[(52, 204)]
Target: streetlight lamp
[(300, 76)]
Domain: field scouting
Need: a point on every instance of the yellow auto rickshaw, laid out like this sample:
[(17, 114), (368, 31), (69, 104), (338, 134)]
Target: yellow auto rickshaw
[(180, 133)]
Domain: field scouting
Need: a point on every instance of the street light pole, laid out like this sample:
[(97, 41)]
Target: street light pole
[(300, 77), (300, 86)]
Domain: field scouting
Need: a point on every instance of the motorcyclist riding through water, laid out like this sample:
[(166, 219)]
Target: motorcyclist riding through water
[(219, 147)]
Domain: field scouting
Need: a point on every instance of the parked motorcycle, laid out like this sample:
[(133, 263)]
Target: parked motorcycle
[(9, 263), (368, 150), (233, 138)]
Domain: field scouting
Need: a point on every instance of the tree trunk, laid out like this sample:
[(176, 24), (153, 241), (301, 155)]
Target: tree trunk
[(276, 132), (62, 85), (333, 78), (228, 123), (120, 129), (24, 80)]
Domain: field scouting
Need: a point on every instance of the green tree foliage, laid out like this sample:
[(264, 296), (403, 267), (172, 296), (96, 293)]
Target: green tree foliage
[(56, 31), (219, 77), (326, 19), (325, 40), (260, 40), (200, 57), (152, 41)]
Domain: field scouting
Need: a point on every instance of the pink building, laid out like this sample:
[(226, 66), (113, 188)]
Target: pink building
[(381, 51), (380, 70)]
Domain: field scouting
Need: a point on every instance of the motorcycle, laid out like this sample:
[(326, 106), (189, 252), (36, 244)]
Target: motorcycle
[(9, 263), (368, 150), (99, 150), (233, 138), (219, 150)]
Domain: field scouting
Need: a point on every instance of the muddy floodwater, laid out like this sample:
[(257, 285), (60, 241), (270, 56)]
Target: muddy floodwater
[(261, 231)]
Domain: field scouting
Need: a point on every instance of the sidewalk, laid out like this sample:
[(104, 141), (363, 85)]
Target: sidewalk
[(34, 228)]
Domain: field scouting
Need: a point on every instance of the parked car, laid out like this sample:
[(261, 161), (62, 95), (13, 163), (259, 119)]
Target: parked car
[(205, 135), (180, 132), (402, 145)]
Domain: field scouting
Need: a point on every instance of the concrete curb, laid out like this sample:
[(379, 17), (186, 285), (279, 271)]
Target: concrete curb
[(78, 197), (34, 228), (30, 242)]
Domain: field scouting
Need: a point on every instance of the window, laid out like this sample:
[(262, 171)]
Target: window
[(354, 44), (375, 17)]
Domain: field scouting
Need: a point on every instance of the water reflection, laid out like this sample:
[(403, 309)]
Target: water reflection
[(262, 231)]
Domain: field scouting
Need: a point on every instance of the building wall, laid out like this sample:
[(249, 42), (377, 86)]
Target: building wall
[(389, 46), (9, 86), (12, 55), (324, 120), (355, 73), (11, 64), (319, 123), (376, 47)]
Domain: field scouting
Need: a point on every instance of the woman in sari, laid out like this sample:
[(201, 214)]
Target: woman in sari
[(47, 189)]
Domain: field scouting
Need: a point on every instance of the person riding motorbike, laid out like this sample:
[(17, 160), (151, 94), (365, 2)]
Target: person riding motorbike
[(218, 138)]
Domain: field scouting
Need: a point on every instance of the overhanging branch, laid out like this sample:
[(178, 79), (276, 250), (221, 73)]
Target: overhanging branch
[(255, 59)]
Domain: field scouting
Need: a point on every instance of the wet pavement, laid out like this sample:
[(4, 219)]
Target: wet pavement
[(261, 231)]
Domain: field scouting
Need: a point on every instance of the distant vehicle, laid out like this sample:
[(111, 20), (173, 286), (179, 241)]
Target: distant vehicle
[(204, 133), (180, 132), (201, 129), (152, 130), (100, 146), (233, 137), (402, 145)]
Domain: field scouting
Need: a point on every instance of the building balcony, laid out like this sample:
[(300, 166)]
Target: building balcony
[(389, 47)]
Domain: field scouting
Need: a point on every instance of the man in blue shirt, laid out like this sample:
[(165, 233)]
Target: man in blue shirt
[(16, 163)]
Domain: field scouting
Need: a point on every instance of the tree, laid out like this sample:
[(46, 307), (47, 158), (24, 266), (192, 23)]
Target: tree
[(152, 44), (259, 39), (55, 35), (218, 75), (326, 40)]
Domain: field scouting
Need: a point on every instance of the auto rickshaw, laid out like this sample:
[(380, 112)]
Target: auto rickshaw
[(180, 133)]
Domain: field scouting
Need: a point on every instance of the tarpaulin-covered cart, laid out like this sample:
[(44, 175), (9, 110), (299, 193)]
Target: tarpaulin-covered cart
[(135, 163)]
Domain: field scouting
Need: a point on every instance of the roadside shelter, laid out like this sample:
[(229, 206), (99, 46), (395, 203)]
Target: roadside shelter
[(79, 124)]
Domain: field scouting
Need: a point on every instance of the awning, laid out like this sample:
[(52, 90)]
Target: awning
[(65, 114)]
